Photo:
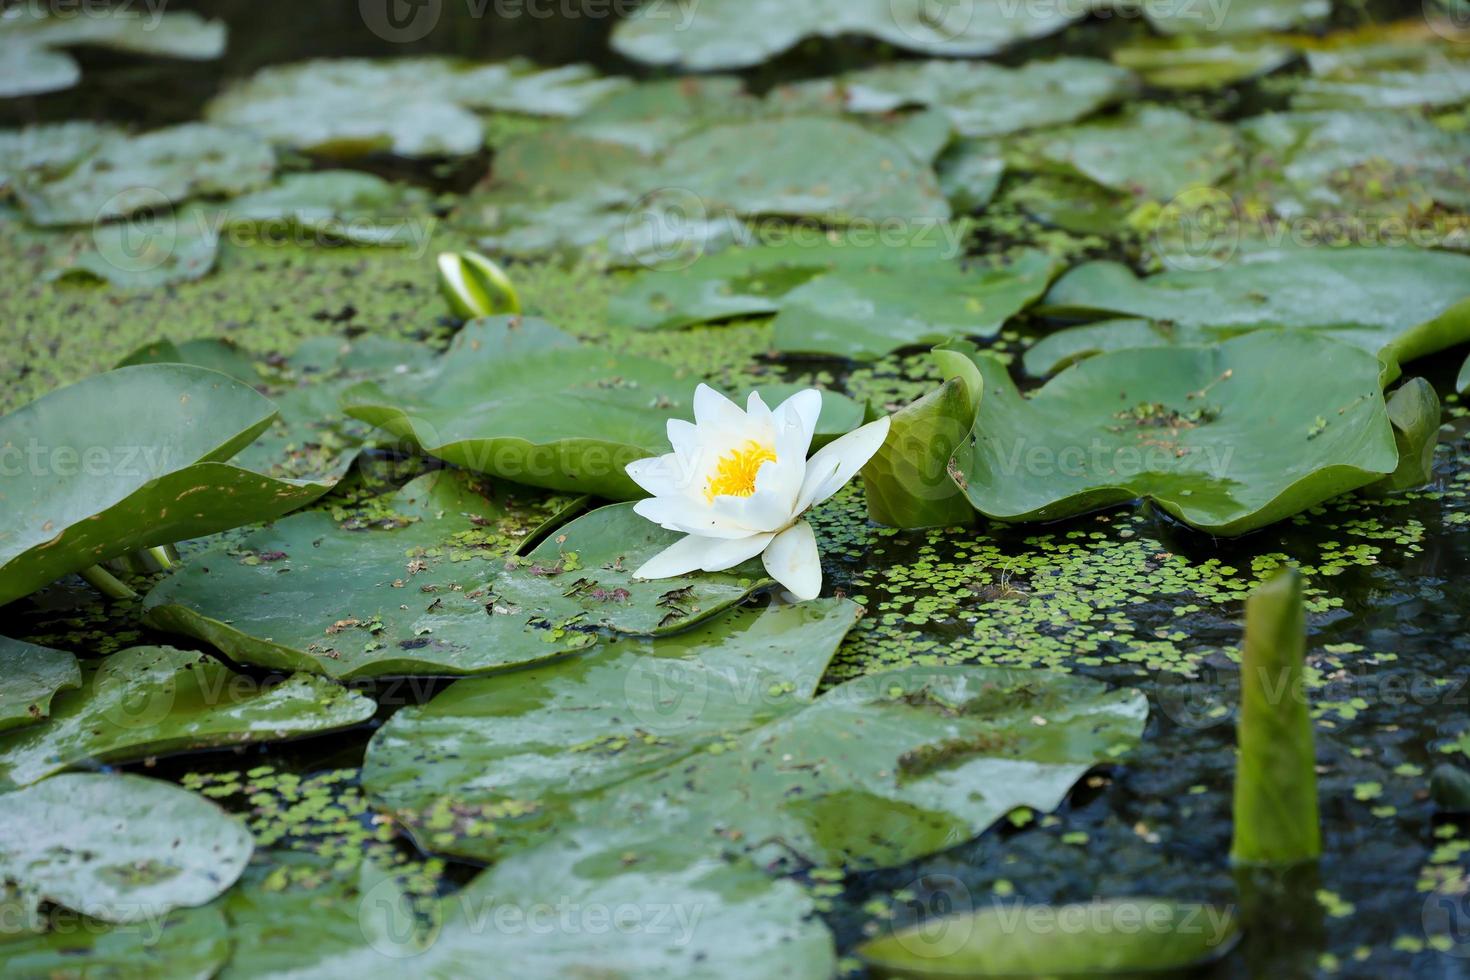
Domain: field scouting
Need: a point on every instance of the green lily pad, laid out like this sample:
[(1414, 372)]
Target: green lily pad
[(310, 438), (1108, 937), (805, 167), (982, 99), (146, 701), (1359, 164), (1414, 410), (400, 588), (144, 251), (1068, 346), (338, 205), (582, 578), (190, 944), (33, 675), (907, 483), (1192, 62), (1462, 380), (556, 734), (869, 313), (1183, 151), (553, 912), (50, 148), (1236, 17), (1227, 438), (651, 116), (881, 770), (1399, 65), (118, 848), (970, 172), (165, 167), (721, 34), (519, 399), (743, 282), (408, 106), (30, 65), (1401, 303), (127, 460), (1073, 204)]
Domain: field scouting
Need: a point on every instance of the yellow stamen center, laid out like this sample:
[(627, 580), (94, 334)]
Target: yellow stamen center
[(734, 474)]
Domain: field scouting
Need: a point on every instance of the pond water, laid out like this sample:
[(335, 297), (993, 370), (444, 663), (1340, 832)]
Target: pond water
[(1127, 596)]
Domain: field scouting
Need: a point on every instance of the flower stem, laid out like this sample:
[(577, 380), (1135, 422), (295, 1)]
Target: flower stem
[(105, 582)]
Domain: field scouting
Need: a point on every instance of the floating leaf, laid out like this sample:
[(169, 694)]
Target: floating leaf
[(582, 578), (128, 460), (118, 848), (655, 914), (718, 34), (191, 944), (866, 314), (1192, 62), (146, 701), (145, 251), (755, 281), (1400, 302), (1236, 17), (337, 206), (1183, 151), (1106, 937), (970, 173), (29, 65), (881, 770), (402, 587), (127, 174), (562, 731), (519, 399), (908, 483), (408, 106), (983, 99), (50, 148), (1227, 438), (815, 167), (310, 438), (32, 676)]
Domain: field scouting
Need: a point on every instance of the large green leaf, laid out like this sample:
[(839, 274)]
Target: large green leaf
[(1236, 17), (737, 33), (557, 911), (1226, 438), (582, 578), (1181, 151), (146, 701), (1400, 302), (188, 944), (119, 848), (310, 437), (549, 737), (1358, 164), (817, 167), (881, 770), (983, 99), (755, 281), (32, 675), (337, 205), (143, 251), (126, 174), (129, 459), (866, 314), (519, 399), (1107, 937), (1190, 61), (30, 65), (400, 587), (407, 106), (50, 148)]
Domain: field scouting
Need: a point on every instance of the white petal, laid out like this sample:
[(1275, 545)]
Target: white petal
[(802, 410), (838, 461), (716, 413), (684, 437), (792, 560), (764, 510), (690, 517), (662, 476), (693, 553)]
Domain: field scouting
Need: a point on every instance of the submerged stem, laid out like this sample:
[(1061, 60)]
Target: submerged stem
[(164, 555), (105, 582)]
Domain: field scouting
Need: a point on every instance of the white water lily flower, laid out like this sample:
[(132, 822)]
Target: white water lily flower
[(738, 483)]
